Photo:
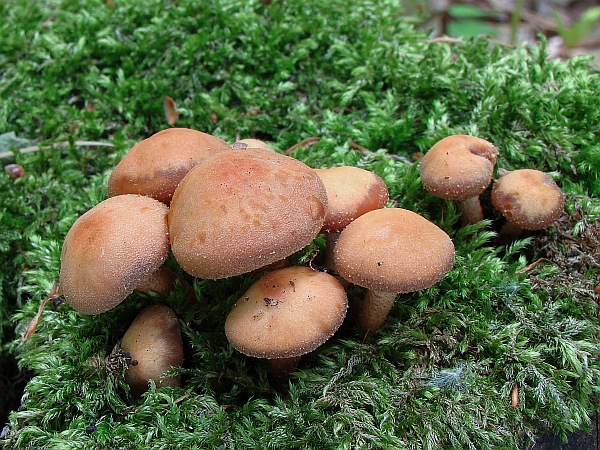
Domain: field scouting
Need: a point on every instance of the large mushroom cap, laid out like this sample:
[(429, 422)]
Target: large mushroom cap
[(287, 313), (155, 166), (241, 210), (393, 250), (351, 192), (528, 198), (458, 167), (110, 249)]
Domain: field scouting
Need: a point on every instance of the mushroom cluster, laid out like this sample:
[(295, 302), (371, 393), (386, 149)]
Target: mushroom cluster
[(224, 210), (460, 168)]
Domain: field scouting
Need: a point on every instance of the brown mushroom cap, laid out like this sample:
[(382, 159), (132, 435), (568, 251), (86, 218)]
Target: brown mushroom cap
[(155, 166), (458, 167), (351, 192), (528, 198), (241, 210), (287, 313), (110, 249), (393, 250), (154, 341)]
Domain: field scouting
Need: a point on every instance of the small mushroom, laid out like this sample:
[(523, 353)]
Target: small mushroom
[(460, 168), (351, 192), (242, 210), (110, 249), (391, 251), (153, 340), (286, 314), (529, 200), (252, 143), (155, 166)]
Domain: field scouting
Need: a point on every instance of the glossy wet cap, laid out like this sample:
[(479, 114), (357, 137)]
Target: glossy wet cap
[(155, 166), (110, 249), (393, 250), (351, 192), (528, 198), (458, 167), (287, 313), (239, 211)]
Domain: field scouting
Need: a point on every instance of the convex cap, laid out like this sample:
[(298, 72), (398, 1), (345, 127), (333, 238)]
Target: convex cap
[(287, 313), (528, 198), (351, 192), (110, 249), (458, 167), (155, 166), (241, 210), (393, 250)]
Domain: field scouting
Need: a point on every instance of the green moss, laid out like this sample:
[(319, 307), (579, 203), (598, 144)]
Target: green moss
[(358, 76)]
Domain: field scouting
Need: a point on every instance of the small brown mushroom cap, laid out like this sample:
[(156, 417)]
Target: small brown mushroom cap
[(393, 250), (239, 211), (351, 192), (155, 166), (458, 167), (528, 198), (110, 249), (252, 143), (153, 340), (287, 313)]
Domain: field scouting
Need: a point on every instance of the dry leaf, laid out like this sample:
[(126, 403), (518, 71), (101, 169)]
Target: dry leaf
[(170, 110), (33, 324), (514, 396)]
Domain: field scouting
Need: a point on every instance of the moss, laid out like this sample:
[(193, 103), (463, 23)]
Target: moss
[(377, 92)]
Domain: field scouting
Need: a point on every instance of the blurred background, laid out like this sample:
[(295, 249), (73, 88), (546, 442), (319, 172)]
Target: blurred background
[(571, 27)]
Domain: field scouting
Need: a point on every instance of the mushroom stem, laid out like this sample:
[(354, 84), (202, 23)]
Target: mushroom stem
[(331, 239), (470, 210), (511, 231), (374, 309), (280, 368)]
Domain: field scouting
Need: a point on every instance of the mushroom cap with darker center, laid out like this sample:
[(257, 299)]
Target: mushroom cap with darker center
[(110, 249), (528, 198), (287, 313), (239, 211), (351, 192), (155, 166), (458, 167), (393, 250)]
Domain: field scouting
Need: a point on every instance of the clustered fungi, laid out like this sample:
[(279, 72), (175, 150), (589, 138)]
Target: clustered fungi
[(225, 210)]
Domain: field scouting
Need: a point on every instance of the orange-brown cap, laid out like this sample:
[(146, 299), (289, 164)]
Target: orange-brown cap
[(287, 313), (110, 249), (155, 166), (458, 167), (393, 250), (351, 192), (528, 198), (241, 210)]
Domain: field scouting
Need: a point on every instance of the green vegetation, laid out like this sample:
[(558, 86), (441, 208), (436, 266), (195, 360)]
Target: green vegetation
[(360, 76)]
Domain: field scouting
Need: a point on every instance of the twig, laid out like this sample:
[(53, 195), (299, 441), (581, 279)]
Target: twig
[(303, 143), (33, 324), (35, 148)]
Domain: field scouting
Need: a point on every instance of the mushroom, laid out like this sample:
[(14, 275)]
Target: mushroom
[(286, 314), (460, 168), (153, 340), (252, 143), (529, 200), (242, 210), (391, 251), (110, 249), (155, 166), (351, 192)]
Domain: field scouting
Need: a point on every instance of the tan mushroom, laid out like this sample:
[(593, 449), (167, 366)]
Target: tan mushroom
[(286, 314), (252, 143), (153, 341), (391, 251), (351, 192), (529, 200), (155, 166), (110, 249), (460, 168), (240, 211)]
